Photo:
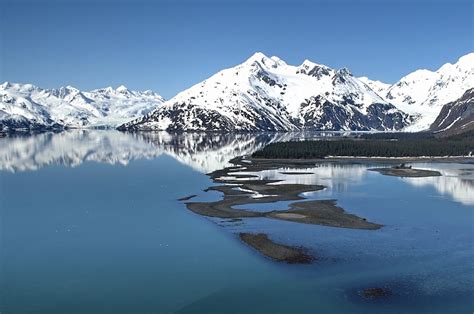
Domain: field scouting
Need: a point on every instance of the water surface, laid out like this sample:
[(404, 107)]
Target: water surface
[(90, 223)]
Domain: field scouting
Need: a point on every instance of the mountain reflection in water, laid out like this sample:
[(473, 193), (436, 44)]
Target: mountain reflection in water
[(203, 152)]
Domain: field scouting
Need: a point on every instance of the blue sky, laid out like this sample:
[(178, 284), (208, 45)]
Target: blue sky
[(169, 45)]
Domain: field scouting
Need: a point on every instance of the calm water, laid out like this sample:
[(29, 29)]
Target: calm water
[(90, 223)]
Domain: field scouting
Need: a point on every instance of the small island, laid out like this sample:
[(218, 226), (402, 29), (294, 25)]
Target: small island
[(406, 171)]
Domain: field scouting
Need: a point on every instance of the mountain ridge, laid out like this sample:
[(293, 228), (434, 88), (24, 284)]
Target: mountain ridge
[(266, 94), (260, 94)]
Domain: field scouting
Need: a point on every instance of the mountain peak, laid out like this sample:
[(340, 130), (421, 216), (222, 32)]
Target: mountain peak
[(310, 68), (418, 75), (70, 88), (344, 71), (259, 57), (64, 91), (122, 89), (108, 90), (308, 64), (5, 84), (466, 60)]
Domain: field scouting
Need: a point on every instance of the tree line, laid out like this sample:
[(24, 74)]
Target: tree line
[(404, 146)]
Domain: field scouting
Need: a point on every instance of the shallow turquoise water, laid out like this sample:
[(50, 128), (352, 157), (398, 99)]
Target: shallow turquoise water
[(90, 223)]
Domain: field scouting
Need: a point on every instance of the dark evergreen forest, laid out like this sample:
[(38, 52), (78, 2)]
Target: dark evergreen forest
[(373, 145)]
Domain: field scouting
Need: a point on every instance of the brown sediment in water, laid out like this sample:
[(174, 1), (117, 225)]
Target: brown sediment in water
[(232, 197), (375, 293), (407, 172), (276, 251), (241, 188), (245, 192)]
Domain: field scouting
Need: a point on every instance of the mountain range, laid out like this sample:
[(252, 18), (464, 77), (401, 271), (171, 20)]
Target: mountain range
[(25, 106), (423, 93), (261, 94), (267, 94)]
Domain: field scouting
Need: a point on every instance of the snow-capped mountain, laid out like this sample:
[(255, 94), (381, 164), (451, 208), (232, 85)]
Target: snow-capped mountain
[(266, 94), (423, 93), (261, 94), (456, 116), (25, 106)]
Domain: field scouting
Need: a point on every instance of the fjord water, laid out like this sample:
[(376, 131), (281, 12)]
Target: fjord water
[(90, 222)]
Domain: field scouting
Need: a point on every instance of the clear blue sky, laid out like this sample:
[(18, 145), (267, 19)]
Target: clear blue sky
[(168, 46)]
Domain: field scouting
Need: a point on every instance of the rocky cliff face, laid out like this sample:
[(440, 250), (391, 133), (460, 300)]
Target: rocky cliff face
[(457, 116)]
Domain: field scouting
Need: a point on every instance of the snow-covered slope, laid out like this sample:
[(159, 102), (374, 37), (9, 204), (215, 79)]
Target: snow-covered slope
[(25, 106), (423, 93), (377, 86), (266, 94)]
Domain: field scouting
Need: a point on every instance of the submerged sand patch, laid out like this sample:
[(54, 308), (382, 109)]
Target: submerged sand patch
[(276, 251)]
